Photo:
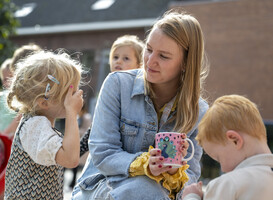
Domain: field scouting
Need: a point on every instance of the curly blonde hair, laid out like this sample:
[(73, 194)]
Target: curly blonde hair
[(31, 79)]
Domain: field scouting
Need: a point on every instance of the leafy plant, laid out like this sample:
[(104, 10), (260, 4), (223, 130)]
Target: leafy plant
[(8, 25)]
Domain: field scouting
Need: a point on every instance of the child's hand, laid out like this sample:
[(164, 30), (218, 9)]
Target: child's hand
[(193, 188), (73, 101)]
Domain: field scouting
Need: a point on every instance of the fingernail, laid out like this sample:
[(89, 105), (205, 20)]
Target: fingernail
[(71, 86), (183, 141), (160, 158), (159, 166), (170, 167), (158, 151)]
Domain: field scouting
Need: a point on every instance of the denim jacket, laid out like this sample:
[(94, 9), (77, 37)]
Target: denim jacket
[(124, 126)]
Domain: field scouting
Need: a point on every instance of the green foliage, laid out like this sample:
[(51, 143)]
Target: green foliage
[(8, 24)]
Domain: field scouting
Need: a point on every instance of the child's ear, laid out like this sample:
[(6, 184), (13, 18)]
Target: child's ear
[(42, 103), (235, 138)]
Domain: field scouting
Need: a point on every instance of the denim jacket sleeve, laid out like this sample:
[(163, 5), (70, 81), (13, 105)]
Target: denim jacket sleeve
[(105, 140)]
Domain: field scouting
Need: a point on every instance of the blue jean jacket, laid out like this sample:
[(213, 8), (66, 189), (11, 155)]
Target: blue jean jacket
[(124, 126)]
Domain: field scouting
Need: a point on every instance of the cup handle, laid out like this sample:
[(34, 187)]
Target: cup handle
[(192, 154)]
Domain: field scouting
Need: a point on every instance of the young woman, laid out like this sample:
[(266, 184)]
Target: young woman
[(134, 105)]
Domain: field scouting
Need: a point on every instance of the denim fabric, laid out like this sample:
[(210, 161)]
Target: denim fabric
[(124, 126)]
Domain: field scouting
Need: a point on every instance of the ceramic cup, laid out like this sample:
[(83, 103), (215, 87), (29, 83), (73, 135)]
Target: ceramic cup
[(170, 143)]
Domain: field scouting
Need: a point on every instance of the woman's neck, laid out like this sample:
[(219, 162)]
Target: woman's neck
[(163, 94)]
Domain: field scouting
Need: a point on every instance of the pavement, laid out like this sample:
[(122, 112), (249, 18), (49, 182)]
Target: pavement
[(68, 174)]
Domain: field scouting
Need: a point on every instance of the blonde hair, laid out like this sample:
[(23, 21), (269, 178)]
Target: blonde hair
[(128, 40), (231, 112), (5, 65), (31, 79), (186, 31), (23, 52)]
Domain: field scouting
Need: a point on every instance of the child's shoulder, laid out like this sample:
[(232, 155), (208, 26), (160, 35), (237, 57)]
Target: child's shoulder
[(37, 120), (36, 125)]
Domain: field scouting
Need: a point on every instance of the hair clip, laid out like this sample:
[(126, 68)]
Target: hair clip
[(47, 90), (53, 79)]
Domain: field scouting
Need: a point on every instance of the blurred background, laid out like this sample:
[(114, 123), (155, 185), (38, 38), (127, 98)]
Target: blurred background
[(238, 42)]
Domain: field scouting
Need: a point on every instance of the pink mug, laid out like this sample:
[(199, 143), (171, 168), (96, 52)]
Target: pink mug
[(169, 143)]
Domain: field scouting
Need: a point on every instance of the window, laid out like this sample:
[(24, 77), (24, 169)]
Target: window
[(25, 10), (102, 4)]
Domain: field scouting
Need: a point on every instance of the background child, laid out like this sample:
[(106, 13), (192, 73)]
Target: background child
[(22, 52), (8, 121), (45, 87), (126, 53), (232, 132)]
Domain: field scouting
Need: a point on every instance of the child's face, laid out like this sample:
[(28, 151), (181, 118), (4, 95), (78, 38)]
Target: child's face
[(224, 154), (124, 58)]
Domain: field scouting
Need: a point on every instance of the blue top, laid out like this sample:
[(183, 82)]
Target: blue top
[(6, 115), (124, 126)]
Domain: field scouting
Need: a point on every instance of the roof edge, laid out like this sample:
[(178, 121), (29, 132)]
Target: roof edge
[(94, 26)]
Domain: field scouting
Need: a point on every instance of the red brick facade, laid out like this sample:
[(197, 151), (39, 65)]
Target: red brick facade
[(239, 43)]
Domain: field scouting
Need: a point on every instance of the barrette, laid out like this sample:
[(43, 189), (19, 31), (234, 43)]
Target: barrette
[(53, 79), (47, 90)]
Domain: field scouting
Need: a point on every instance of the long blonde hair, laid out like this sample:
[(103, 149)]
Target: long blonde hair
[(31, 79), (186, 31)]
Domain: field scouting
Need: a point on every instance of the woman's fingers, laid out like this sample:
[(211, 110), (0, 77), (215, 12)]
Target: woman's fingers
[(156, 163), (156, 160), (183, 135)]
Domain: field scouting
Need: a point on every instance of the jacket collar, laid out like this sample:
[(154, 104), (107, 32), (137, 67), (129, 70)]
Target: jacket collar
[(256, 160), (138, 87)]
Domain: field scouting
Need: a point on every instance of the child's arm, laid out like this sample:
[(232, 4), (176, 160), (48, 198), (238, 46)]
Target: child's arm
[(69, 154)]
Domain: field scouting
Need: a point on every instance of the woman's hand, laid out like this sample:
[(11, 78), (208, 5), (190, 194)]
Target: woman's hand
[(184, 147), (156, 163), (156, 160)]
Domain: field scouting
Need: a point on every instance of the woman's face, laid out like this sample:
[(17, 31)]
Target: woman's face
[(124, 58), (162, 59)]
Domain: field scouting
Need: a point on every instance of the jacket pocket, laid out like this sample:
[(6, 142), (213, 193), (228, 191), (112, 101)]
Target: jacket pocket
[(128, 136), (91, 182)]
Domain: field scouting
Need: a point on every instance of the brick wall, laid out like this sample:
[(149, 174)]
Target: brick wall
[(239, 42)]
